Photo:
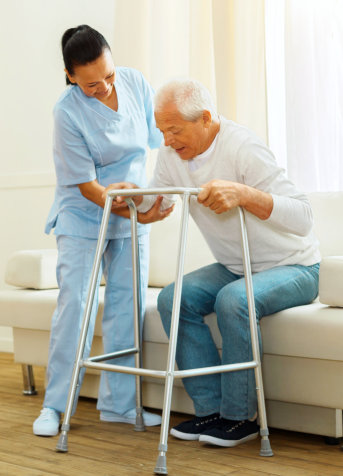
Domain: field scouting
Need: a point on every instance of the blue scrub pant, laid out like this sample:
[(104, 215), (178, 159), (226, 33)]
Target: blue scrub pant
[(75, 261), (214, 288)]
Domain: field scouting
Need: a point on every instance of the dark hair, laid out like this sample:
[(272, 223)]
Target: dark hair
[(81, 45)]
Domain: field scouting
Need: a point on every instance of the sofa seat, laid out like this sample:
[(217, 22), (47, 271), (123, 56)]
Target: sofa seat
[(311, 331)]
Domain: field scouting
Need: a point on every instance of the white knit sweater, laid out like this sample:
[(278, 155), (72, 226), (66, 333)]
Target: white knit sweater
[(239, 156)]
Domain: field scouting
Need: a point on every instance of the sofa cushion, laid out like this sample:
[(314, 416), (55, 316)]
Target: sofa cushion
[(331, 281), (33, 309), (34, 269), (327, 208), (311, 331)]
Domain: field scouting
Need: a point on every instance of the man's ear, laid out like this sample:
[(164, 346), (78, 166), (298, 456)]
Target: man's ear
[(70, 77), (207, 118)]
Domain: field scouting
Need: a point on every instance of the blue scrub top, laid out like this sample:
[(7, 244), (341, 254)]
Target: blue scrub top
[(91, 141)]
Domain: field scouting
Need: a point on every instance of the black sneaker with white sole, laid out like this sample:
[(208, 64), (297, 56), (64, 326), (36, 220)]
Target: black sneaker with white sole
[(230, 433), (192, 429)]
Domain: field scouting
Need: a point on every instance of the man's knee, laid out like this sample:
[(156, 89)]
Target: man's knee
[(231, 302)]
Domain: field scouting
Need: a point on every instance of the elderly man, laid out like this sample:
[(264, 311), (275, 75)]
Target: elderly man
[(234, 168)]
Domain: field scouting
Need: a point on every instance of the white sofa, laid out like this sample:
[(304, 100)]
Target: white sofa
[(303, 351)]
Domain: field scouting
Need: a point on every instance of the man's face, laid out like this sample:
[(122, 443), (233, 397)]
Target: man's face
[(187, 138)]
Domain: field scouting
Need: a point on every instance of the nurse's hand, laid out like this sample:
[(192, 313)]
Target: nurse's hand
[(155, 213), (119, 201)]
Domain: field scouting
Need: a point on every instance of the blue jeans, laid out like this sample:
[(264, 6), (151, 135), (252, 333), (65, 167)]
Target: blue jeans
[(214, 288)]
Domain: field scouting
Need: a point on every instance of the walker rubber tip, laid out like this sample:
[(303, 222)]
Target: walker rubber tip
[(266, 448), (62, 445), (161, 465), (139, 425)]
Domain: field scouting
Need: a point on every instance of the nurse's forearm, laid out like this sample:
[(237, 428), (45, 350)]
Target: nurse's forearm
[(95, 192)]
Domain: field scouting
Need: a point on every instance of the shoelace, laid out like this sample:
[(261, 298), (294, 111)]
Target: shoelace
[(234, 427), (47, 413), (203, 421)]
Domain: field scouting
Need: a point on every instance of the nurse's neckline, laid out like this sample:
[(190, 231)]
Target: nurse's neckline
[(112, 101)]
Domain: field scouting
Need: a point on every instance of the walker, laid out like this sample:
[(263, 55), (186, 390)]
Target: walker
[(169, 374)]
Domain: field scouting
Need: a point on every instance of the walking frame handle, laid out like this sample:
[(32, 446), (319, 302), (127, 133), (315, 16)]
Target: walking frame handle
[(130, 192)]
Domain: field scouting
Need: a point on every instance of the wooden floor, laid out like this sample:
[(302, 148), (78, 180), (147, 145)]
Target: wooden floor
[(104, 449)]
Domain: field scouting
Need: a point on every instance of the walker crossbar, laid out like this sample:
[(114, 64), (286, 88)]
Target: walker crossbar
[(170, 373), (91, 363), (112, 355)]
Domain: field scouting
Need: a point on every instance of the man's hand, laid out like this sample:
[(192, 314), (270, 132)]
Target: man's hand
[(119, 203), (155, 213), (221, 195)]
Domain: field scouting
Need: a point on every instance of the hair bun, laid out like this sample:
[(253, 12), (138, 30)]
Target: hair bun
[(68, 34)]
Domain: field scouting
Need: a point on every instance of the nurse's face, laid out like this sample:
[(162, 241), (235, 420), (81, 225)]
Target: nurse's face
[(95, 79)]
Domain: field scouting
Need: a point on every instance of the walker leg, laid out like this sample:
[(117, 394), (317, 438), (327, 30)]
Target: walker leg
[(161, 464), (265, 444), (62, 445), (139, 425)]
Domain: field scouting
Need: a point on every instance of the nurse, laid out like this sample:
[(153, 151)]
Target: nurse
[(103, 124)]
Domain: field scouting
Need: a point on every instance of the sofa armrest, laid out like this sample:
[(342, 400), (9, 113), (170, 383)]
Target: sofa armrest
[(331, 281)]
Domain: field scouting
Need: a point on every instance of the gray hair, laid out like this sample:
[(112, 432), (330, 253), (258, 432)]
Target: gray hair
[(190, 97)]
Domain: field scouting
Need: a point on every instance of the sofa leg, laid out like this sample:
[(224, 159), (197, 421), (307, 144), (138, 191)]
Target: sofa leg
[(28, 380), (331, 440)]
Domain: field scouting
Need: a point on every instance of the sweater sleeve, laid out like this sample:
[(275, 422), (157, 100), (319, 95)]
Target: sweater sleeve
[(292, 211)]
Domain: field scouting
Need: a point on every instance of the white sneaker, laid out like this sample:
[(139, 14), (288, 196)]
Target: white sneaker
[(150, 419), (48, 422)]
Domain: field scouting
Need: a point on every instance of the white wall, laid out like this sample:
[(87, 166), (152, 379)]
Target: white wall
[(31, 80)]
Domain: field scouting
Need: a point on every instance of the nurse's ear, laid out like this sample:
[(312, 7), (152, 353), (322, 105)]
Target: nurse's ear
[(69, 76)]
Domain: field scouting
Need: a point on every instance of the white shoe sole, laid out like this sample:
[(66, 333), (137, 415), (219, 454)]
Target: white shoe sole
[(131, 421), (45, 432), (184, 436), (226, 443)]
